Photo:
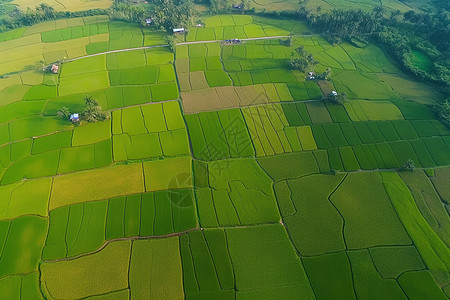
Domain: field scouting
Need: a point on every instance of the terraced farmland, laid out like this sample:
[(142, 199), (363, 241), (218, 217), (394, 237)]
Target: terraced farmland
[(219, 172)]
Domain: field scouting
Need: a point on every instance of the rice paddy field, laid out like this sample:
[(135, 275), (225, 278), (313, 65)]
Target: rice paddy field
[(220, 173)]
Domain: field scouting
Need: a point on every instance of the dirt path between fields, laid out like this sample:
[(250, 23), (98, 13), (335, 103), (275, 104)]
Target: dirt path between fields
[(115, 51), (165, 45)]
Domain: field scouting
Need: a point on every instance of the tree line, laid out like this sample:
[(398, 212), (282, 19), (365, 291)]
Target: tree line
[(43, 12), (165, 14)]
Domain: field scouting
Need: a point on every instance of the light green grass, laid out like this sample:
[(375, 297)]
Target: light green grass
[(362, 201), (155, 269), (260, 265), (176, 175), (62, 279), (433, 251), (313, 215), (21, 250), (96, 185), (25, 198), (365, 275)]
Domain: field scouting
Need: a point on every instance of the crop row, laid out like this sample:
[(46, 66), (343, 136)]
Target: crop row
[(262, 76), (427, 193), (54, 162), (141, 76), (200, 50), (348, 275), (255, 51), (73, 32), (234, 192), (12, 34), (116, 97), (429, 152), (154, 130), (338, 135), (198, 67), (433, 250), (232, 32), (242, 26), (131, 59), (84, 147), (231, 96), (238, 65), (219, 135), (207, 268), (265, 124), (22, 240), (84, 227), (65, 23), (25, 286)]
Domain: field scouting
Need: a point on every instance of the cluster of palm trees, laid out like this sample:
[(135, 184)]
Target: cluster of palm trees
[(92, 111), (302, 60)]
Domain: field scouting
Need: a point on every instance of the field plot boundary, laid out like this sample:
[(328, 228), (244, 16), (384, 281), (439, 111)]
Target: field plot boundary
[(157, 237)]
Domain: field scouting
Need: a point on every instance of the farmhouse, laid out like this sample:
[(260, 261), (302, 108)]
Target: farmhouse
[(334, 93), (74, 118), (54, 68), (178, 30), (238, 6), (148, 21)]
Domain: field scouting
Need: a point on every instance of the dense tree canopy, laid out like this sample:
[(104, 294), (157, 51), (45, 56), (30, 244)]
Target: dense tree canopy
[(170, 14), (41, 13), (344, 24)]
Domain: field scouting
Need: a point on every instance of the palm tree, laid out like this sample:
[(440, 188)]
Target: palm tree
[(408, 166), (92, 110), (64, 113)]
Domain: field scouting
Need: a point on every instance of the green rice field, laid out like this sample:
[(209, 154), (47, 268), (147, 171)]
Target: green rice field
[(219, 172)]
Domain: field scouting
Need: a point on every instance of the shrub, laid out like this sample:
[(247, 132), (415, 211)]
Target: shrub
[(337, 98), (408, 166)]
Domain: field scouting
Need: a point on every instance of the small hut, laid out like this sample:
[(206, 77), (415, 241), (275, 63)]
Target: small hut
[(55, 68), (74, 118), (178, 30)]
